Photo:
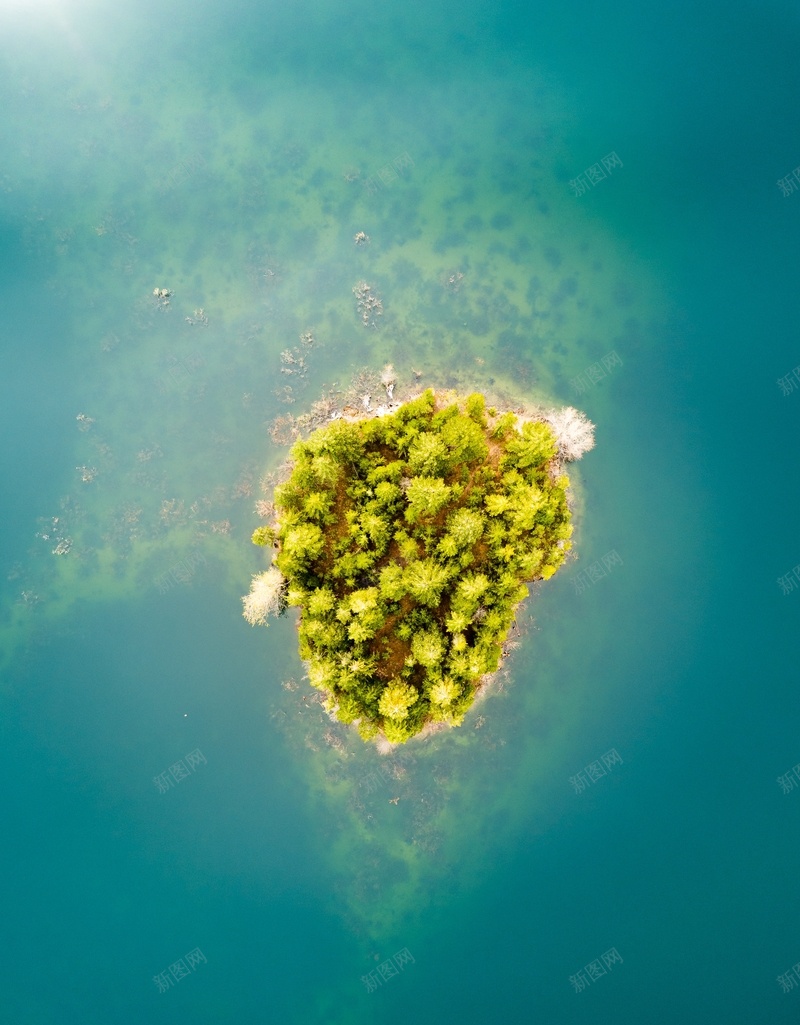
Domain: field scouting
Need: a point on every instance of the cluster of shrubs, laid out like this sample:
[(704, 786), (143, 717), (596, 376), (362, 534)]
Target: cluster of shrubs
[(406, 541)]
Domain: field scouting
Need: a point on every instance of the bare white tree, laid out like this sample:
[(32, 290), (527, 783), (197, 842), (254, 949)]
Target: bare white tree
[(264, 598), (574, 432)]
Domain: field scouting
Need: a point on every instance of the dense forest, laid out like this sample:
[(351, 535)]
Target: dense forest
[(407, 540)]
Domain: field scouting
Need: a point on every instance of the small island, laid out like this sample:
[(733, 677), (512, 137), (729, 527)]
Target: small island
[(407, 539)]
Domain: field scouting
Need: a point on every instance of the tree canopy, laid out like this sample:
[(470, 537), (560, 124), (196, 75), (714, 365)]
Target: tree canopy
[(407, 541)]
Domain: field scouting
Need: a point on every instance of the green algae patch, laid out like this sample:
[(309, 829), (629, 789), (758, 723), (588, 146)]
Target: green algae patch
[(407, 540)]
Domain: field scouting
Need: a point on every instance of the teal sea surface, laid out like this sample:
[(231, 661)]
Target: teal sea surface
[(591, 205)]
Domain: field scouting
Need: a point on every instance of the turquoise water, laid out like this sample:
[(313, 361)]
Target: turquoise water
[(229, 154)]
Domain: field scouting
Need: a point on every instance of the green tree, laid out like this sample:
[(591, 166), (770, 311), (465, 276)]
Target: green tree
[(397, 699), (317, 505), (425, 579), (397, 732), (470, 590), (465, 527), (458, 622), (363, 601), (360, 630), (327, 470), (264, 536), (504, 426), (392, 587), (426, 496), (475, 408), (341, 440), (464, 440), (409, 548), (388, 493), (534, 445), (444, 692), (496, 504), (448, 547), (300, 546), (376, 529), (346, 707), (321, 601), (428, 456), (368, 730), (427, 647)]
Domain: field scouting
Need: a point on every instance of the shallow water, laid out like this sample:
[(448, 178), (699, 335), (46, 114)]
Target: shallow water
[(173, 798)]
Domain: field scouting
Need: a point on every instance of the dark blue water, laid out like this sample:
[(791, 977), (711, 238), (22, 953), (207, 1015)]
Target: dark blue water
[(178, 814)]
